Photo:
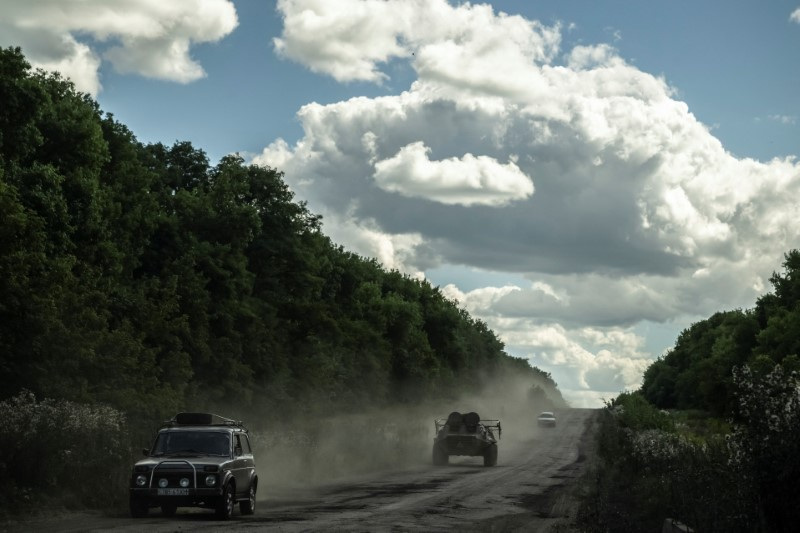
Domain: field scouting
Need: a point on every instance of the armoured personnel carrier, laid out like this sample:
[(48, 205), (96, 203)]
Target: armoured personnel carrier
[(466, 434)]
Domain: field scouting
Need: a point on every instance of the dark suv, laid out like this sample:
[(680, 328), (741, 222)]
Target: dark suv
[(197, 460)]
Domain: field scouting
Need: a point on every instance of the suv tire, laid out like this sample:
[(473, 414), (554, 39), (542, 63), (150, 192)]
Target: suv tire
[(248, 506), (226, 502)]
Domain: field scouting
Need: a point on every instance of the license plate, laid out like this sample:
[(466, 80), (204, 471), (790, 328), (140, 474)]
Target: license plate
[(173, 492)]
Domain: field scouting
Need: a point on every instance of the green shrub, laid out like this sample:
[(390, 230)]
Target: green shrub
[(636, 413), (74, 453), (765, 442), (646, 472), (699, 426)]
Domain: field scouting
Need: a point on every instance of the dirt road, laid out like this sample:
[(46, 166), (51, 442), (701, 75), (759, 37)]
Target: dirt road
[(531, 489)]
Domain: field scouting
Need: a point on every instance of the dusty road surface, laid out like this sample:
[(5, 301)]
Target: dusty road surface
[(532, 488)]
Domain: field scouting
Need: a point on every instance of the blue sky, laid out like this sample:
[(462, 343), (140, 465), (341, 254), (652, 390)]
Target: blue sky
[(731, 61), (587, 177)]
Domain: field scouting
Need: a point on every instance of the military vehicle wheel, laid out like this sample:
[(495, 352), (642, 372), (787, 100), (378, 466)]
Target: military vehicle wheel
[(168, 510), (440, 456), (139, 507), (490, 456)]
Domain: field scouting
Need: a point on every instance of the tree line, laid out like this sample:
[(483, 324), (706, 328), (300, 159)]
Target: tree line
[(711, 437), (142, 277), (698, 372)]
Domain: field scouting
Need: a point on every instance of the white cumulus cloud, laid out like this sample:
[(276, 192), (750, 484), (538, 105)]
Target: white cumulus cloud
[(350, 39), (147, 37), (466, 180), (639, 213), (588, 363)]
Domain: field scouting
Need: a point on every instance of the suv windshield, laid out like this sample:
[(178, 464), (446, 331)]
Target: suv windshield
[(192, 442)]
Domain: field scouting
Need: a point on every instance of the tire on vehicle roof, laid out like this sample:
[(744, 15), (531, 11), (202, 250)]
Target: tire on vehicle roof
[(471, 420), (455, 419)]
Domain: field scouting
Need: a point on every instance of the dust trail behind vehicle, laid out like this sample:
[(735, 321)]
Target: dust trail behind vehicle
[(314, 451)]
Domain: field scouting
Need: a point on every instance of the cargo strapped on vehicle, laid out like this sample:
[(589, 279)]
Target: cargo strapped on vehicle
[(493, 424), (489, 424), (202, 419)]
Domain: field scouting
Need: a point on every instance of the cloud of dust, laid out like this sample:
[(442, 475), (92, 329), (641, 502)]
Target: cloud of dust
[(308, 452)]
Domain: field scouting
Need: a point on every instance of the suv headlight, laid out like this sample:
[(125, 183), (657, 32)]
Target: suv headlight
[(141, 480), (211, 481)]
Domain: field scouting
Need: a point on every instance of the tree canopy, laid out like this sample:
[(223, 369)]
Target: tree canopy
[(144, 277), (698, 372)]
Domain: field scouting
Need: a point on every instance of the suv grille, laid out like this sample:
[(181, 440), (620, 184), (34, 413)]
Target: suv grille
[(173, 473)]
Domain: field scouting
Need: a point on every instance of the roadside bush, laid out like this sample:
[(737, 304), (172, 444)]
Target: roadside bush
[(765, 442), (611, 503), (635, 412), (700, 487), (647, 472), (69, 452), (699, 426)]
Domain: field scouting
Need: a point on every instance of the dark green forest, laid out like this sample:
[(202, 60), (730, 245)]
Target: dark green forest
[(141, 277)]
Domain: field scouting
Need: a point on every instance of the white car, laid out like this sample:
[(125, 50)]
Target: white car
[(546, 419)]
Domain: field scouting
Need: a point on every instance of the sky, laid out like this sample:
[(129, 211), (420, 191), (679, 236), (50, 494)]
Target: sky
[(587, 177)]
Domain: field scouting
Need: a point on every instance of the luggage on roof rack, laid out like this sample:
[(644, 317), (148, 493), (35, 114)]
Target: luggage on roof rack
[(202, 419)]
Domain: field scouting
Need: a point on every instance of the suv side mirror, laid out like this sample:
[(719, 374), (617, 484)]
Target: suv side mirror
[(145, 451), (237, 451)]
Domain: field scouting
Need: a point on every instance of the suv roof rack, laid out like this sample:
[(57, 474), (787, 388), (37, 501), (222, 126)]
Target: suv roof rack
[(202, 419)]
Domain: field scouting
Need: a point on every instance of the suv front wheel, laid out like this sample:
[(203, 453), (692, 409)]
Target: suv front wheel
[(226, 502)]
